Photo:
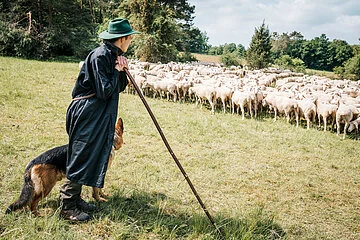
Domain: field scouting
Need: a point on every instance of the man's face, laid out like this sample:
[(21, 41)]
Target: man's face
[(124, 43)]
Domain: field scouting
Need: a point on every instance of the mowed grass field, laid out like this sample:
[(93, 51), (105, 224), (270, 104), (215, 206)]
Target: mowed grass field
[(259, 179)]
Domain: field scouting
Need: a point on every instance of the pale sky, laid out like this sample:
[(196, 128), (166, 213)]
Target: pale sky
[(234, 21)]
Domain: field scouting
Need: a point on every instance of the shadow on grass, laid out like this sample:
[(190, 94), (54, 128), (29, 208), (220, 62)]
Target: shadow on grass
[(146, 212)]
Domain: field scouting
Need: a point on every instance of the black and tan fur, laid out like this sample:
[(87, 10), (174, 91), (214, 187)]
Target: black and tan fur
[(42, 173)]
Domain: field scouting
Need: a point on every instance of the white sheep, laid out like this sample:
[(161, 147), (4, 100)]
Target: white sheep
[(203, 92), (167, 86), (345, 113), (182, 88), (282, 104), (242, 99), (326, 111), (224, 94), (307, 110), (354, 125)]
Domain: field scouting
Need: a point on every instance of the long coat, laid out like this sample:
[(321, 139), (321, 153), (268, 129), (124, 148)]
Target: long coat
[(90, 121)]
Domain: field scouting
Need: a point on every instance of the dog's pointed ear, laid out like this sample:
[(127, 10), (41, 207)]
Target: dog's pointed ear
[(120, 124)]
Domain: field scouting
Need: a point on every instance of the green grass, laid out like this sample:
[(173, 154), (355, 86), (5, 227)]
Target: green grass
[(259, 179)]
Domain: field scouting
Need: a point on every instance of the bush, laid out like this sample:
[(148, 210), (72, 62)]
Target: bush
[(230, 59), (352, 68), (186, 57), (293, 64), (18, 43), (340, 71)]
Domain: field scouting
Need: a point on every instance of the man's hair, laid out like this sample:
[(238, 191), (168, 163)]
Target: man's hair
[(115, 39), (111, 40)]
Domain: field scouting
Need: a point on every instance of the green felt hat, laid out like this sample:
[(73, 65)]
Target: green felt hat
[(119, 27)]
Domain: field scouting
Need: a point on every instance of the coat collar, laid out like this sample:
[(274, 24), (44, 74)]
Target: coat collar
[(113, 48)]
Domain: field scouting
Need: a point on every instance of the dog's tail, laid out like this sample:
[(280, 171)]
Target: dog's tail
[(25, 195)]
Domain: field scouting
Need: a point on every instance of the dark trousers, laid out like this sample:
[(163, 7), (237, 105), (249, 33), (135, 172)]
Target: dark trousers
[(70, 194)]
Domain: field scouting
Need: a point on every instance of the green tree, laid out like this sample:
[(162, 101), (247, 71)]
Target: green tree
[(279, 44), (258, 54), (45, 28), (197, 41), (352, 67), (229, 48), (341, 51), (286, 62), (158, 21), (216, 50), (316, 54), (158, 27), (241, 50), (295, 45), (230, 59)]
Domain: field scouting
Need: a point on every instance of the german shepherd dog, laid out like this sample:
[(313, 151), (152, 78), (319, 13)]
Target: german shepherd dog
[(42, 173)]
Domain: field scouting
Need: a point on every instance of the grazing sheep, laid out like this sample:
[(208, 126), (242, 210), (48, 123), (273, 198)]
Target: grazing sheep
[(325, 111), (149, 86), (140, 78), (283, 104), (257, 101), (257, 88), (224, 94), (167, 86), (203, 92), (182, 88), (241, 99), (354, 125), (345, 113), (307, 110)]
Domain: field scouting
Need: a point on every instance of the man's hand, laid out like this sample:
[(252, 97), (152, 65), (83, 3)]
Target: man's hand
[(121, 63)]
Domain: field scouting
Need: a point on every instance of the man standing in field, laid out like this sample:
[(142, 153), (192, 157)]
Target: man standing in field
[(91, 118)]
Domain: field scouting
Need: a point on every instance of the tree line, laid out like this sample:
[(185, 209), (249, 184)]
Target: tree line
[(292, 51), (45, 29)]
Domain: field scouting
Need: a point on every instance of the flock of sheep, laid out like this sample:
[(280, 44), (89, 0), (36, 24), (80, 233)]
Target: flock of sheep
[(293, 95)]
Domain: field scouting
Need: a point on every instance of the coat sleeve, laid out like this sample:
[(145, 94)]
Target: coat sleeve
[(123, 81), (105, 77)]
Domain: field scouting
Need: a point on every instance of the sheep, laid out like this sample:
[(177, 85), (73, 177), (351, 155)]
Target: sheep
[(182, 88), (241, 99), (258, 98), (167, 86), (345, 113), (325, 111), (282, 104), (204, 93), (149, 86), (224, 94), (307, 110), (257, 84), (140, 78), (354, 125)]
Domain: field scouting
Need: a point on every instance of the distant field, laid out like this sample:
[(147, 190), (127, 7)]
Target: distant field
[(207, 58), (259, 179), (216, 59)]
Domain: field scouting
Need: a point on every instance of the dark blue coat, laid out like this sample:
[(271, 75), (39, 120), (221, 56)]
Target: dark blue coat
[(90, 122)]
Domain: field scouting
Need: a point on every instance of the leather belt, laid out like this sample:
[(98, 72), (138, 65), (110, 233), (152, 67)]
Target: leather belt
[(84, 97)]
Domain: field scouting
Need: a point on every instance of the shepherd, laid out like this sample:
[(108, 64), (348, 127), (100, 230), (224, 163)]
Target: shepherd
[(91, 118)]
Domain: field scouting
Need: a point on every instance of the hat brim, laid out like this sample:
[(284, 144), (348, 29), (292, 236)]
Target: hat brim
[(106, 35)]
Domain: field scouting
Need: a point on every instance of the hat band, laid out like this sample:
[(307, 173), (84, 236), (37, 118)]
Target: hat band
[(117, 32)]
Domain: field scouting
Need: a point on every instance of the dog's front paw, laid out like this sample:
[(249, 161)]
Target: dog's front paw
[(101, 199), (102, 194)]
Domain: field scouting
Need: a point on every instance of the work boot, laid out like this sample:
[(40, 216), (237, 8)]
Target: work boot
[(84, 206), (74, 215)]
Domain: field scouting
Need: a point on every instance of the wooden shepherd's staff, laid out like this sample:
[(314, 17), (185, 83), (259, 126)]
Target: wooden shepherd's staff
[(170, 150)]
